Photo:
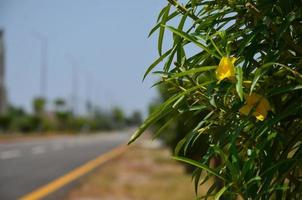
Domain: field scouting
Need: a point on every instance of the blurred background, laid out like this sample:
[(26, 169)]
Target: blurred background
[(80, 57), (71, 90)]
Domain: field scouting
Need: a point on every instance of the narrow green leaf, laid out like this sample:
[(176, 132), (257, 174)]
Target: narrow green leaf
[(161, 13), (156, 62), (197, 175), (163, 127), (154, 117), (260, 72), (278, 164), (199, 165), (257, 178), (171, 57), (245, 42), (182, 22), (285, 89), (285, 25), (179, 145), (215, 46), (192, 39), (162, 110), (189, 138), (162, 29), (157, 26), (178, 102), (192, 71), (221, 191), (239, 76)]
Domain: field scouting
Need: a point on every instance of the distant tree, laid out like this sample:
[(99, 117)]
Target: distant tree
[(118, 114), (4, 122), (39, 104), (15, 111), (119, 118), (62, 114), (8, 121), (59, 104), (135, 118), (102, 120)]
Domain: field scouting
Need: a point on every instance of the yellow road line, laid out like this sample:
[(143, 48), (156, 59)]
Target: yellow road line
[(74, 174)]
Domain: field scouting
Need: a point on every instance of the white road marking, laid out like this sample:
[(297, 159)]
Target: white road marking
[(9, 154), (38, 150), (57, 146)]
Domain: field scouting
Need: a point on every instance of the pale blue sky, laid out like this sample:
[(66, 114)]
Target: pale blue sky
[(108, 39)]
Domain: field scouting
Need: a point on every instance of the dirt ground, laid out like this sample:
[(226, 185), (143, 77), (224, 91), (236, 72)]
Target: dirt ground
[(142, 173)]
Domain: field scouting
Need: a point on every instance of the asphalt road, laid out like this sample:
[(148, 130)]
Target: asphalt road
[(27, 165)]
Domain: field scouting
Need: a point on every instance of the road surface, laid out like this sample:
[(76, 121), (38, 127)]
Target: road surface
[(27, 165)]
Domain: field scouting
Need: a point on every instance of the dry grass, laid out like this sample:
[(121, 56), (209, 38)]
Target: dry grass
[(139, 174)]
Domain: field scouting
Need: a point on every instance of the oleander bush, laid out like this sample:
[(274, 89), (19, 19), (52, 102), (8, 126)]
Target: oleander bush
[(232, 72)]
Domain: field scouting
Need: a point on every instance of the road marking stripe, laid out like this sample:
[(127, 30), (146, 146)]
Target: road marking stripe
[(72, 175), (9, 154), (57, 146), (38, 150)]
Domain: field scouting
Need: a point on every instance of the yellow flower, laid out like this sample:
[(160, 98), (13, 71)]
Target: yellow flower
[(256, 100), (226, 68)]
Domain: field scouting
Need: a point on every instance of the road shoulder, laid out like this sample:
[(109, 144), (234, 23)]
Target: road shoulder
[(140, 173)]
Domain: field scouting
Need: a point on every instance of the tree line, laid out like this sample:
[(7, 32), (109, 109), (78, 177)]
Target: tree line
[(61, 118)]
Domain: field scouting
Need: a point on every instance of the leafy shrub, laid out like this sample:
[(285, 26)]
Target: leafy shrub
[(233, 74)]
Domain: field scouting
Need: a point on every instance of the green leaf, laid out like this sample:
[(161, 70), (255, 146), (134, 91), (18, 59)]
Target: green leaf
[(192, 71), (285, 89), (196, 176), (157, 26), (285, 25), (260, 72), (239, 77), (163, 127), (199, 165), (215, 46), (156, 62), (221, 191), (171, 57), (257, 178), (154, 117), (162, 29), (193, 40), (161, 13), (245, 42), (162, 110), (179, 145), (275, 166), (178, 101)]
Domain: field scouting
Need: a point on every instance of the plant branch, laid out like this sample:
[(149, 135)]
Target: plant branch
[(286, 37), (183, 9)]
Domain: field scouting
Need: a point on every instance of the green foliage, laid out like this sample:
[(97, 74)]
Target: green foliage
[(118, 117), (134, 119), (39, 106), (63, 115), (248, 122), (61, 119)]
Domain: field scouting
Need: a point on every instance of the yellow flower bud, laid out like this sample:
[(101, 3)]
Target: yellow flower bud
[(226, 68)]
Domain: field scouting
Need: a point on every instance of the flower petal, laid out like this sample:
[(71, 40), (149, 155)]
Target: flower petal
[(225, 69), (245, 110)]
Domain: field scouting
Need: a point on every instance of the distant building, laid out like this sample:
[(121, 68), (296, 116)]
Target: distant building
[(3, 100)]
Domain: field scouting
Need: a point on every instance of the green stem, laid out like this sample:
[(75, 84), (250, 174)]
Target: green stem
[(183, 9)]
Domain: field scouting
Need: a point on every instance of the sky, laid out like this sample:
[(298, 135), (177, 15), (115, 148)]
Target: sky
[(101, 45)]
